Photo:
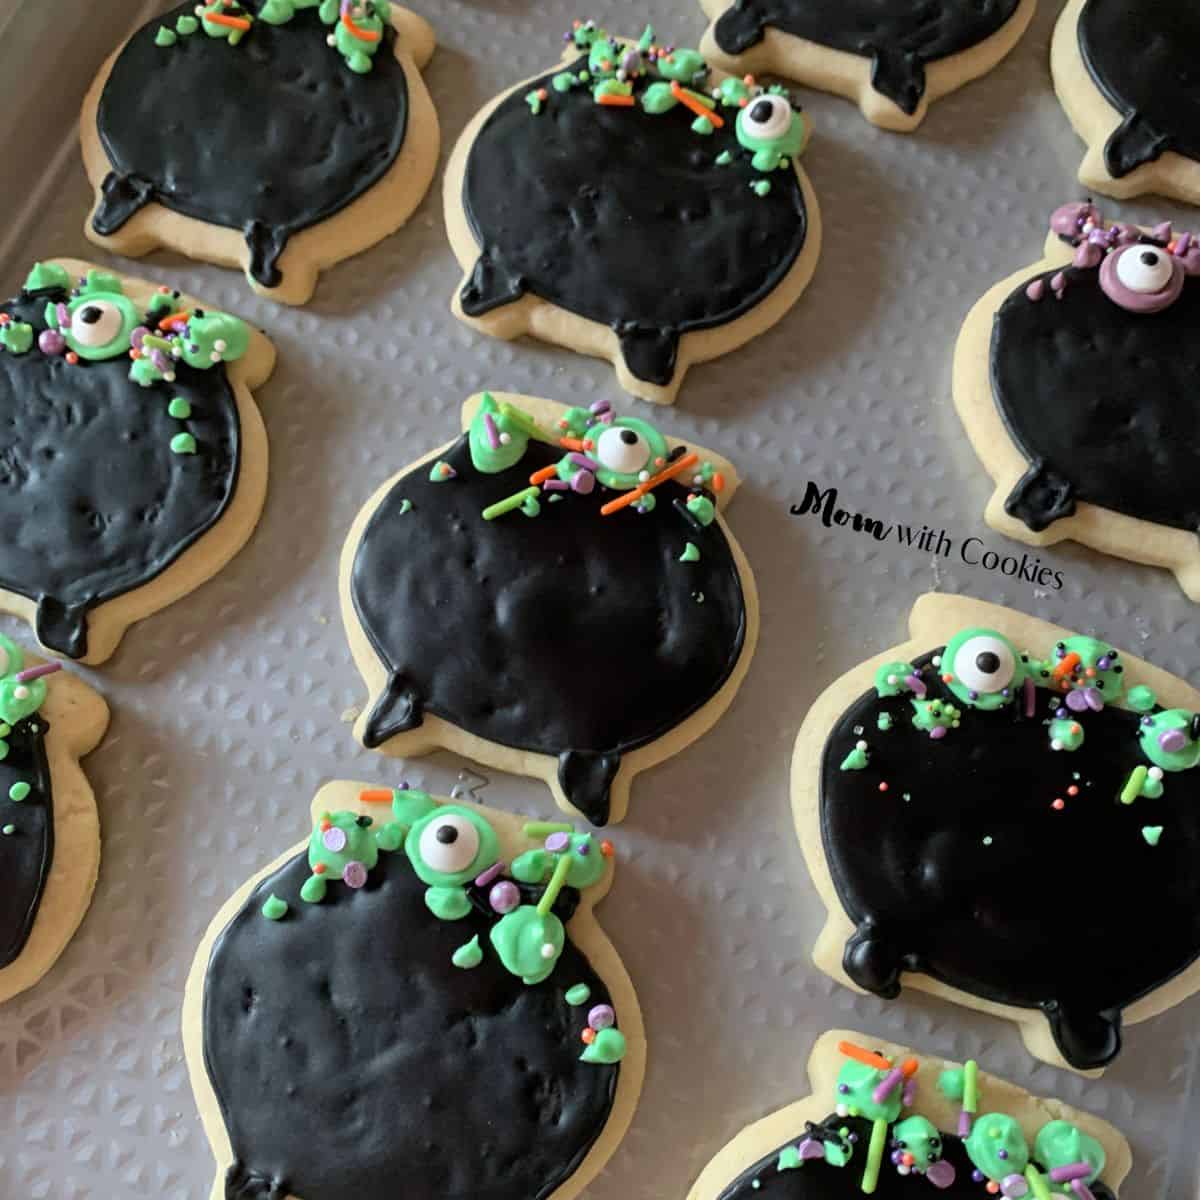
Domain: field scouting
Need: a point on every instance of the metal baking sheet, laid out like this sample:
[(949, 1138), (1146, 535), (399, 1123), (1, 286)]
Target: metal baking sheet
[(231, 707)]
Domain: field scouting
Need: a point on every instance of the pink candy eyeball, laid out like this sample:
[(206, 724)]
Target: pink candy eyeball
[(1142, 278)]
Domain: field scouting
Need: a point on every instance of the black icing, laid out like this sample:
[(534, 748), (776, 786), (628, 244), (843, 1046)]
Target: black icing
[(899, 36), (1101, 402), (27, 853), (818, 1180), (1141, 54), (93, 502), (353, 1061), (568, 634), (268, 137), (624, 218), (1069, 911)]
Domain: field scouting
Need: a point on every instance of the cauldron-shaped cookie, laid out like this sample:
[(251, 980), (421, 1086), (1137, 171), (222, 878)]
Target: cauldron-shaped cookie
[(131, 439), (553, 594), (892, 56), (47, 723), (886, 1122), (1077, 383), (634, 205), (420, 994), (998, 809), (1125, 74), (260, 125)]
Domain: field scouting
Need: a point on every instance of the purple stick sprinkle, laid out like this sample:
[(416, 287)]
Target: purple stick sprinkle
[(37, 672), (910, 1093), (493, 434), (1030, 697), (1081, 1189), (491, 873), (964, 1124), (887, 1085), (582, 460), (600, 406), (916, 685), (555, 485), (1079, 1170)]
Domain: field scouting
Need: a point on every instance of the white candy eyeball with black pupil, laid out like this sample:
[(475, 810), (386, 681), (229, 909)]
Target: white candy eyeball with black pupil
[(1145, 269), (96, 323), (622, 449), (449, 844), (985, 665), (768, 117)]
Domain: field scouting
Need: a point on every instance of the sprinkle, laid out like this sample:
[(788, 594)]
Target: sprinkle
[(275, 909), (971, 1083), (676, 468), (525, 423), (1067, 665), (489, 876), (183, 443), (1064, 1174), (887, 1085), (1133, 787), (334, 840), (1059, 804), (18, 792), (546, 903), (354, 875), (582, 460), (540, 829), (376, 795), (1030, 697), (72, 358), (442, 471), (1081, 1189), (32, 673), (701, 106), (602, 1017), (508, 505), (579, 995), (615, 100), (875, 1150), (1037, 1185), (1073, 790), (690, 553), (542, 476), (866, 1057), (588, 1036), (179, 408), (8, 830), (406, 506), (238, 22), (556, 843), (607, 849), (363, 35), (1152, 834), (916, 685), (493, 434), (987, 841), (504, 897)]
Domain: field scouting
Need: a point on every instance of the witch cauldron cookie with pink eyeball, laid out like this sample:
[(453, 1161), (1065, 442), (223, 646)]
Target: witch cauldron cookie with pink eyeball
[(417, 997), (633, 204), (1005, 814), (886, 1121), (893, 57), (1076, 380), (279, 136)]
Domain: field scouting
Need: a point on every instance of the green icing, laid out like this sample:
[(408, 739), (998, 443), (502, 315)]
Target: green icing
[(534, 100), (18, 792), (441, 472), (275, 909), (1152, 834), (952, 1084), (406, 506), (761, 187), (531, 506), (468, 957), (314, 889), (884, 722), (186, 26), (430, 857), (410, 806), (891, 678), (1066, 733), (724, 158), (512, 436), (1176, 722), (586, 869), (839, 1154), (733, 92), (179, 408), (770, 153), (963, 661), (860, 1080), (1061, 1144), (684, 66), (47, 275), (920, 1138), (579, 995), (991, 1133), (609, 1047), (789, 1159), (280, 12), (447, 903), (705, 128), (857, 759), (16, 337), (1088, 672), (529, 943), (690, 553), (17, 700), (9, 830), (929, 715), (658, 98), (1141, 698), (165, 37), (183, 443)]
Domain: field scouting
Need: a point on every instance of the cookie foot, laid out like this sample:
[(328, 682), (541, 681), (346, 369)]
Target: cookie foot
[(1134, 143), (490, 286), (121, 196), (1087, 1040), (398, 710), (900, 76), (241, 1183), (266, 247), (650, 354), (1041, 497), (872, 962), (740, 28), (62, 627), (585, 779)]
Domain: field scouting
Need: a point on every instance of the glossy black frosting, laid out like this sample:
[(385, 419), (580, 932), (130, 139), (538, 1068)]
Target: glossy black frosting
[(1142, 56), (820, 1181), (624, 218), (27, 853), (1068, 911), (353, 1061), (93, 503), (268, 137), (1102, 403), (568, 634), (901, 38)]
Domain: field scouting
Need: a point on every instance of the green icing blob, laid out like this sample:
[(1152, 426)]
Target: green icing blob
[(469, 956), (406, 506), (857, 759), (280, 12), (734, 92), (690, 553), (1152, 788), (370, 17), (1066, 733), (434, 860), (965, 657), (704, 127), (4, 749), (929, 715), (761, 187), (839, 1154), (19, 792), (534, 100), (564, 81), (1141, 698), (609, 1047), (991, 1133), (1060, 1144), (952, 1084), (17, 700), (213, 338), (314, 889), (359, 844), (1173, 721), (410, 806), (658, 98), (179, 408), (586, 869), (513, 439), (921, 1138), (441, 472), (447, 903), (16, 337), (47, 275), (186, 26), (579, 995), (531, 506), (275, 909), (1152, 834), (521, 937), (724, 158), (890, 679), (770, 153), (183, 443), (165, 37), (703, 509), (789, 1159), (1090, 653), (861, 1081), (884, 722), (684, 66)]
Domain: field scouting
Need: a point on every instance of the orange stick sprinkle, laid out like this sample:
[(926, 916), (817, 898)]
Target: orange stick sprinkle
[(676, 468), (718, 483), (363, 35), (1067, 665), (909, 1067), (576, 444), (167, 322), (230, 22), (693, 105), (612, 100), (541, 476), (376, 795), (850, 1050)]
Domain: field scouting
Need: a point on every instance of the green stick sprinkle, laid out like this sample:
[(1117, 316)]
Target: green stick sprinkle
[(543, 829), (506, 506), (1133, 788), (971, 1086), (579, 995), (546, 903), (1037, 1185), (870, 1177)]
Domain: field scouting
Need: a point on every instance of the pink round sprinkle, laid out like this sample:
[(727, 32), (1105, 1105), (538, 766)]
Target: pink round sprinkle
[(1172, 741), (504, 897), (556, 843), (602, 1017), (354, 875), (335, 839), (50, 341), (941, 1173)]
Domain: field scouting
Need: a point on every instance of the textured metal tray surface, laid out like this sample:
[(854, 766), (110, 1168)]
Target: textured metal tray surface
[(230, 708)]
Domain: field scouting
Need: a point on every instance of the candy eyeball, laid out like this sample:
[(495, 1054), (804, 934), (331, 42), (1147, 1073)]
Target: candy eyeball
[(625, 449), (982, 667), (450, 846), (767, 118), (1145, 269), (96, 323), (1142, 277), (98, 326)]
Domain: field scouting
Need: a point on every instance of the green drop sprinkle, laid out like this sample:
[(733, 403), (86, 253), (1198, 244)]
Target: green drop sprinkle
[(469, 956), (179, 408), (885, 721), (186, 26), (579, 995), (406, 506), (1152, 834), (724, 158), (18, 792), (9, 830), (762, 187), (441, 472), (275, 909), (183, 443), (690, 553), (165, 37)]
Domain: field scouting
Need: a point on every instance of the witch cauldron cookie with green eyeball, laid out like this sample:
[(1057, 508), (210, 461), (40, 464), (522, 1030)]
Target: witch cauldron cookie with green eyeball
[(49, 827), (886, 1121), (634, 204), (419, 992), (997, 811), (555, 593), (278, 136), (133, 465)]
